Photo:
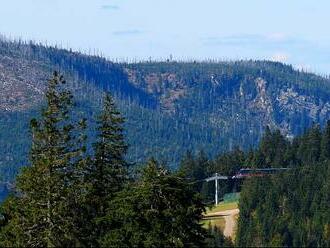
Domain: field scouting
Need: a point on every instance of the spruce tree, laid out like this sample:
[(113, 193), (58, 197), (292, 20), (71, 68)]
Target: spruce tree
[(195, 169), (108, 171), (159, 210), (271, 150), (314, 145), (41, 214), (187, 166)]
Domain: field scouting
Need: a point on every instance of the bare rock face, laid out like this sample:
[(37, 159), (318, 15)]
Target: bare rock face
[(290, 100), (262, 103), (167, 87)]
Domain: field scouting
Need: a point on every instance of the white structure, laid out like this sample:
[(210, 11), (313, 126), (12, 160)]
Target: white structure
[(215, 178)]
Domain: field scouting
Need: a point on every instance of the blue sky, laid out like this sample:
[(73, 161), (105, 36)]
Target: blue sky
[(291, 31)]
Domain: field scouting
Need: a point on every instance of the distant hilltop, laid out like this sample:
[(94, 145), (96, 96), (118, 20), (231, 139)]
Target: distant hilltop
[(170, 106)]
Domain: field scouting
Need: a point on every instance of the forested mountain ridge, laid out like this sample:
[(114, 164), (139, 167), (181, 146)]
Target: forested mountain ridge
[(273, 91), (169, 106)]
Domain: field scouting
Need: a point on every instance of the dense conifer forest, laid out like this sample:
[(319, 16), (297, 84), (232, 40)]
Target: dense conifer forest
[(290, 209), (170, 107)]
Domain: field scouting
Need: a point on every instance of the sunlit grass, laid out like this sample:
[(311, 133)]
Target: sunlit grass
[(222, 207)]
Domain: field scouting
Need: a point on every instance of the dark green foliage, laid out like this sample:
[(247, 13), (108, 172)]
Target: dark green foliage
[(229, 163), (159, 210), (43, 212), (217, 239), (107, 172), (271, 151), (110, 149), (310, 149), (210, 106), (292, 208), (66, 198), (10, 233), (195, 169), (287, 209)]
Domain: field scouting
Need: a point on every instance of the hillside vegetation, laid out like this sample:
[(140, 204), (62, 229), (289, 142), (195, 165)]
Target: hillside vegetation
[(80, 187), (170, 107), (288, 209)]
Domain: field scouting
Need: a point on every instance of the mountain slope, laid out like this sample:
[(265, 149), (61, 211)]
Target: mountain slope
[(169, 106)]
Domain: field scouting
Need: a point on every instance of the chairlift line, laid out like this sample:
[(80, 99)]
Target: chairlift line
[(241, 174), (215, 178), (258, 172)]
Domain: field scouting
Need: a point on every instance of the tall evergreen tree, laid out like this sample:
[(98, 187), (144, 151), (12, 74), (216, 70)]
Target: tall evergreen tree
[(41, 213), (314, 145), (271, 150), (195, 169), (159, 210), (108, 171), (187, 166)]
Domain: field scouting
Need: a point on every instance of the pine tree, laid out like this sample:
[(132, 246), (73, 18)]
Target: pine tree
[(159, 210), (108, 171), (262, 157), (194, 169), (187, 164), (271, 150), (314, 144), (41, 214), (280, 148)]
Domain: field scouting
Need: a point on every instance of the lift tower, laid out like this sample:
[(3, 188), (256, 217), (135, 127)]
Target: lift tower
[(215, 178)]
